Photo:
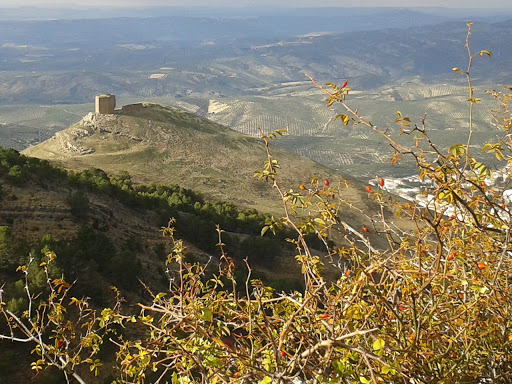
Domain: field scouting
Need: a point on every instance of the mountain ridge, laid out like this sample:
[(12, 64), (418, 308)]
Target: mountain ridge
[(168, 145)]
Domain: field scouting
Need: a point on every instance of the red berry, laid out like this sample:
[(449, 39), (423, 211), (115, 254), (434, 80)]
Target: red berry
[(381, 182), (324, 316), (344, 84), (283, 353), (365, 229), (368, 188), (326, 182), (452, 256), (228, 341)]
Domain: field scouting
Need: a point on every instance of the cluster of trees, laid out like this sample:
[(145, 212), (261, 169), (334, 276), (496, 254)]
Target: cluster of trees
[(197, 217), (434, 306)]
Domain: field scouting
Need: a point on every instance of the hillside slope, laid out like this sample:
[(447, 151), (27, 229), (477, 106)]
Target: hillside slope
[(165, 145)]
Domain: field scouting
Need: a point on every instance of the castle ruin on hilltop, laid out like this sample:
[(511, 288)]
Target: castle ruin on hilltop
[(105, 104)]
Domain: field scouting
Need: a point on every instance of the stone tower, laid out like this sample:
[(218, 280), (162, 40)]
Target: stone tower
[(105, 104)]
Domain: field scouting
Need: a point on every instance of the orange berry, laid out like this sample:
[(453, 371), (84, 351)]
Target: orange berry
[(451, 256), (365, 229), (368, 188), (381, 182), (481, 266), (402, 308), (344, 84), (347, 272), (324, 316), (302, 187)]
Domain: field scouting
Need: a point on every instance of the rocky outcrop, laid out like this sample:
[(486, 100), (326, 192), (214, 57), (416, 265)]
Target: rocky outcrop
[(68, 142), (93, 120), (105, 124)]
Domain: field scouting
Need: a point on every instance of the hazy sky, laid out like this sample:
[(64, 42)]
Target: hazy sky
[(309, 3)]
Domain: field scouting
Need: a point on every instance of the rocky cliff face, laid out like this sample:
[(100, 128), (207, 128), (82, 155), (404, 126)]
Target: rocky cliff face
[(71, 142)]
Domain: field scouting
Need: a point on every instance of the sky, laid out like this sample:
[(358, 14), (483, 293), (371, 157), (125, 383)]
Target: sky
[(295, 3)]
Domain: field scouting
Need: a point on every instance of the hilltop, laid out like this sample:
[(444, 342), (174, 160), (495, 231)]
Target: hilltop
[(167, 145)]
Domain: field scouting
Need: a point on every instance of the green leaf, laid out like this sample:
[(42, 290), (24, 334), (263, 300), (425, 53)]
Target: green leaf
[(386, 369), (364, 380), (212, 361), (378, 344), (206, 314), (265, 380), (457, 149), (159, 296)]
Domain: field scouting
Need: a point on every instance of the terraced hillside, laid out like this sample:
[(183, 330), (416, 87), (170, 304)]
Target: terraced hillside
[(313, 132)]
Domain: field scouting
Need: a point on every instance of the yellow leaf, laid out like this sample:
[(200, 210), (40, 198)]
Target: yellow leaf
[(485, 52), (378, 344)]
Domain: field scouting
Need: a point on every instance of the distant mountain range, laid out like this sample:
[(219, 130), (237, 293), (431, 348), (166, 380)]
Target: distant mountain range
[(254, 78), (49, 62)]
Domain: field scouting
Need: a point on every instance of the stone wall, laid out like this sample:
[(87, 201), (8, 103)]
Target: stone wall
[(105, 104), (130, 108)]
